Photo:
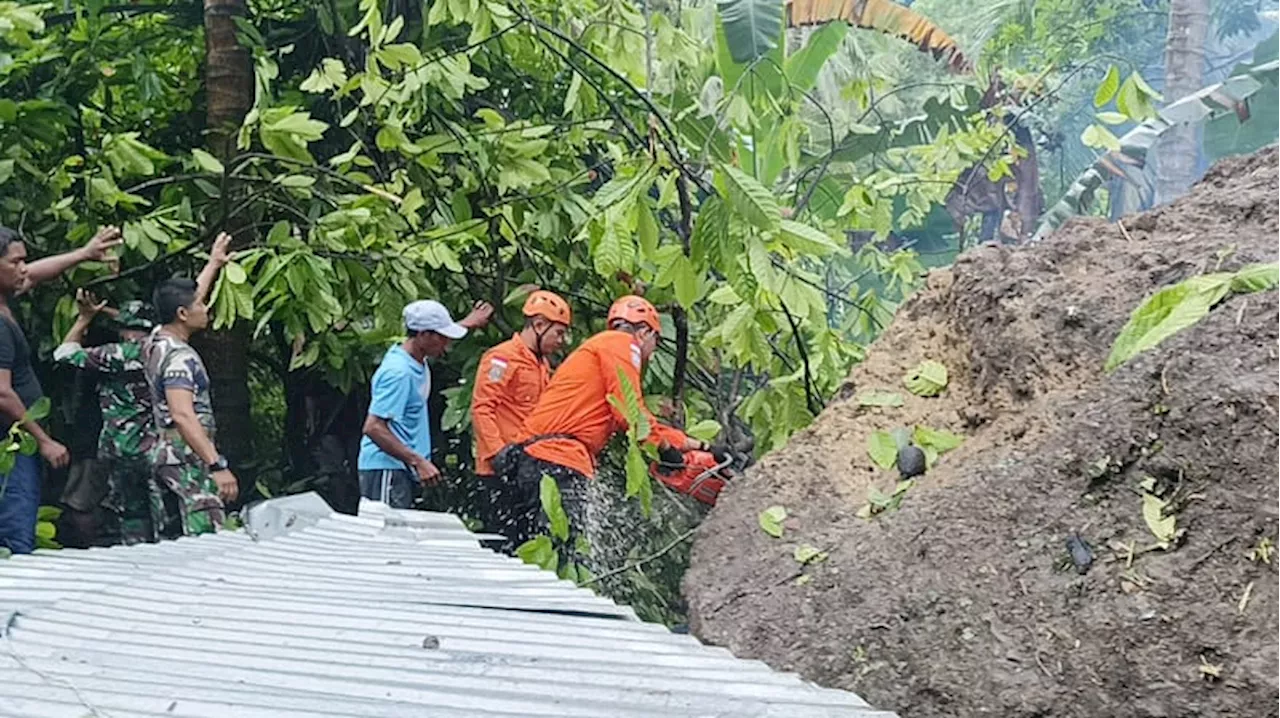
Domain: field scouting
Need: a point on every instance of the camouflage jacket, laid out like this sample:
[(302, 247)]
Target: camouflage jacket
[(170, 363), (128, 430)]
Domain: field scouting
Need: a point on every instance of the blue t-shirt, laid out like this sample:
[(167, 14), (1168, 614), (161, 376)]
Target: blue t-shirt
[(400, 389)]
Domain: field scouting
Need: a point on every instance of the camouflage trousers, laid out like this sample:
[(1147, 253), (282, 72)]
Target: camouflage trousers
[(184, 500), (128, 501)]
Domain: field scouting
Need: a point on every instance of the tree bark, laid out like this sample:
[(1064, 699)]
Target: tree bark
[(1178, 152), (229, 88)]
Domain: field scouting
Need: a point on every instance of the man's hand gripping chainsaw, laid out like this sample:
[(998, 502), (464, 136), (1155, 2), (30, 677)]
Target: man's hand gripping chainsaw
[(696, 473)]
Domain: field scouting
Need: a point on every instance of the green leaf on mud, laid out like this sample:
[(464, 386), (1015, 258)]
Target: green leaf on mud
[(935, 442), (879, 502), (1166, 313), (882, 448), (1256, 278), (771, 520), (939, 440), (879, 397), (549, 493), (929, 378), (807, 553), (1162, 527)]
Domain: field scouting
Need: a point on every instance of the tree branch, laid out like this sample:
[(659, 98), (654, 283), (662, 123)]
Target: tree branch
[(814, 402)]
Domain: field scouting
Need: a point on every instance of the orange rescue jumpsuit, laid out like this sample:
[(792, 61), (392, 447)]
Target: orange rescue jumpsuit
[(576, 403), (509, 381)]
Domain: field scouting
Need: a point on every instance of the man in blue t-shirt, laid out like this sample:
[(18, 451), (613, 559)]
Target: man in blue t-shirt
[(396, 448)]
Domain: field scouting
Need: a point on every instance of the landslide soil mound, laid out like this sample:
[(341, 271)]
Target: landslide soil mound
[(964, 601)]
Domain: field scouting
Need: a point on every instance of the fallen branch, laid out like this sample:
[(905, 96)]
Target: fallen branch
[(623, 569)]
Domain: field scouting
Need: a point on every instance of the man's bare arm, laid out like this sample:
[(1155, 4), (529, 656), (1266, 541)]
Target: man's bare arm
[(182, 409), (219, 255), (376, 428), (42, 270)]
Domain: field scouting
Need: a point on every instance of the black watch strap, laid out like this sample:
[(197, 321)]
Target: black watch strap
[(219, 464)]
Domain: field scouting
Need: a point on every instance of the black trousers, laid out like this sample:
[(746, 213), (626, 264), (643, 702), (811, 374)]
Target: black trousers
[(515, 502)]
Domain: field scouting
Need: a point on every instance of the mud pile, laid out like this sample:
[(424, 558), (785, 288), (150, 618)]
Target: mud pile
[(964, 600)]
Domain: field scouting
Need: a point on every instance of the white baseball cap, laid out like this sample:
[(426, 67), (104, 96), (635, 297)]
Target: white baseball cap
[(428, 315)]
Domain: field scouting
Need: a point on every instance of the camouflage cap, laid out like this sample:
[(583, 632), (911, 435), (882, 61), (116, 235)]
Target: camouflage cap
[(134, 314)]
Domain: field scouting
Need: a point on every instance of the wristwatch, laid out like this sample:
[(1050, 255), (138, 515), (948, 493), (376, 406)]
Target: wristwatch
[(219, 464)]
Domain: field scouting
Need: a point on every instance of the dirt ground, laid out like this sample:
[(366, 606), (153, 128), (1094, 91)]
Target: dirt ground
[(964, 601)]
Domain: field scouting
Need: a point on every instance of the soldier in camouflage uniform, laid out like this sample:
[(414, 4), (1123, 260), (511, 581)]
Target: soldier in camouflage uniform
[(128, 433), (191, 479)]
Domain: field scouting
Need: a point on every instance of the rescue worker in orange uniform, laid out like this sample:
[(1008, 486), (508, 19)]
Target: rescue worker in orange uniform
[(509, 381), (574, 419)]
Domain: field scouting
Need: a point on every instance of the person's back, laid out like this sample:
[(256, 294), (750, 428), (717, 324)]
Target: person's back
[(576, 403), (123, 396), (128, 435)]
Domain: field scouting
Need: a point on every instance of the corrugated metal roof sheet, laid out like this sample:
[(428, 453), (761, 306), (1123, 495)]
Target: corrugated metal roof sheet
[(393, 613)]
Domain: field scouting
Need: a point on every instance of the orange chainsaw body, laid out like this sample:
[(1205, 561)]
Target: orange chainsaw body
[(701, 476)]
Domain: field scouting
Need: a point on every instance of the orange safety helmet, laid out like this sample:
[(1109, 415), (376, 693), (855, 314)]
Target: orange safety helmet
[(548, 305), (635, 310)]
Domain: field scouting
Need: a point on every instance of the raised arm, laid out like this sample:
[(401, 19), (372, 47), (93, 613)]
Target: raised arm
[(219, 255), (87, 307), (42, 270)]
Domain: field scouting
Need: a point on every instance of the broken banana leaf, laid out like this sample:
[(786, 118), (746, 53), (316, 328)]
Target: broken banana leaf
[(1229, 96)]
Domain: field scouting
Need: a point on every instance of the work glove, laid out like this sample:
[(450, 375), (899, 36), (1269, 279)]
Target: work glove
[(720, 451)]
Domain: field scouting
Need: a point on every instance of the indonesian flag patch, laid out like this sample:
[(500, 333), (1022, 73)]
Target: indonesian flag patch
[(497, 368)]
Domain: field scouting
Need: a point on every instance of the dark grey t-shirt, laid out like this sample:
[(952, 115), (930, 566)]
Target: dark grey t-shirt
[(15, 355)]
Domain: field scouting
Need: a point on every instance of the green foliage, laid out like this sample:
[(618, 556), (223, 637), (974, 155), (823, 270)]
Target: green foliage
[(805, 554), (879, 397), (475, 150), (751, 27), (1165, 313), (1175, 308), (554, 552), (638, 482), (934, 442), (928, 378), (879, 502), (549, 495), (19, 441), (47, 527), (882, 447), (1127, 154), (771, 520)]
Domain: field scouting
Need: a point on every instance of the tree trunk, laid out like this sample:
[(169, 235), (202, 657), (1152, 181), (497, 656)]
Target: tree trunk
[(229, 88), (1177, 153)]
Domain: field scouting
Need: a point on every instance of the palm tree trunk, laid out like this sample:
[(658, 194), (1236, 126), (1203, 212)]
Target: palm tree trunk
[(229, 88), (1177, 154)]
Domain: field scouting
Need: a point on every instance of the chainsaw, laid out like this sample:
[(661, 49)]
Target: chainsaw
[(698, 475)]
